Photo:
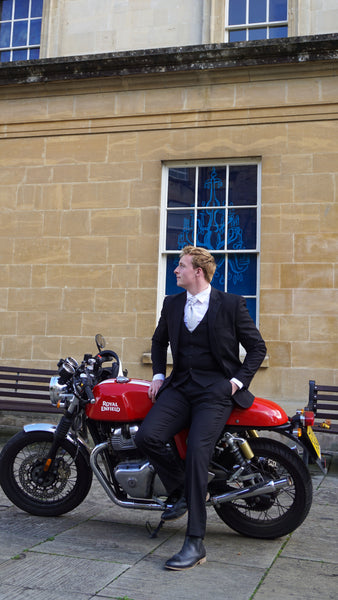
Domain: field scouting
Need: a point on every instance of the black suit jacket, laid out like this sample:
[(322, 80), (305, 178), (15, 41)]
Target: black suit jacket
[(230, 325)]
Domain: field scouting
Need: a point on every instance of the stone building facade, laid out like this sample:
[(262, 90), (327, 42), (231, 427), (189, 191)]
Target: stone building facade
[(83, 143)]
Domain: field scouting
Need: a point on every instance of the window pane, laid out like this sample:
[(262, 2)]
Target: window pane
[(242, 229), (180, 229), (252, 308), (35, 32), (260, 33), (242, 274), (21, 9), (36, 10), (237, 12), (243, 185), (218, 280), (5, 56), (237, 36), (171, 287), (20, 33), (5, 35), (19, 55), (278, 10), (34, 53), (6, 10), (257, 11), (211, 186), (211, 229), (181, 187), (278, 32)]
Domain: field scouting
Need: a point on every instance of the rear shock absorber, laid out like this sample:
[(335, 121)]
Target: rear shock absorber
[(239, 448)]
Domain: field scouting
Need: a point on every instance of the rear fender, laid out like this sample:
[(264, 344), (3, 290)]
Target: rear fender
[(48, 427)]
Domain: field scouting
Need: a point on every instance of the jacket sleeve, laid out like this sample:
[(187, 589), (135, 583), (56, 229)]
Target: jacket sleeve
[(252, 341), (160, 342)]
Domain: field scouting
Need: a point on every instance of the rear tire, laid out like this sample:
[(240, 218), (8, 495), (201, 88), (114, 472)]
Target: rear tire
[(273, 515), (66, 485)]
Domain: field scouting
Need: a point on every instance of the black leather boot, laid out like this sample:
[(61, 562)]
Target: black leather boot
[(176, 511), (192, 554)]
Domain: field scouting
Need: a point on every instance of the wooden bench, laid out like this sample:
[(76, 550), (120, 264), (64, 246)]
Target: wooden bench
[(25, 390), (323, 401)]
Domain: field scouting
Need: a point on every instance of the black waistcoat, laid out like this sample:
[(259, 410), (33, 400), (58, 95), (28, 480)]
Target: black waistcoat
[(195, 359)]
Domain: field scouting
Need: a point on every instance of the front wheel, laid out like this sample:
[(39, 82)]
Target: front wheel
[(64, 487), (269, 516)]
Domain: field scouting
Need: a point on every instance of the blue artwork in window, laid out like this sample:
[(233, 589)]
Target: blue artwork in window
[(242, 229), (211, 221), (211, 186), (242, 274)]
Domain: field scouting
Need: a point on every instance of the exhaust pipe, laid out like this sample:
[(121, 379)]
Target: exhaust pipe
[(257, 490)]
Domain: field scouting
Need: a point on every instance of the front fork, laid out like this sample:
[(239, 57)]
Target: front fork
[(60, 434)]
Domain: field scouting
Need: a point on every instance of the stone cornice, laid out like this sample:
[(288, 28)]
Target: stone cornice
[(213, 57)]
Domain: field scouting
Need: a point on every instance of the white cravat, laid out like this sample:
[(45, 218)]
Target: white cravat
[(191, 315)]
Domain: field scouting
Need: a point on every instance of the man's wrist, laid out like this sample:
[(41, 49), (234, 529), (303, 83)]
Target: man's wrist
[(159, 377), (236, 382)]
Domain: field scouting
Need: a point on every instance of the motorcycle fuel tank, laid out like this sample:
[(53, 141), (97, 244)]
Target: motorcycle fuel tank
[(120, 401)]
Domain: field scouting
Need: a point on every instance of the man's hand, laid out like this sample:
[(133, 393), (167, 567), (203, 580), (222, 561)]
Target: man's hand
[(234, 387), (153, 389)]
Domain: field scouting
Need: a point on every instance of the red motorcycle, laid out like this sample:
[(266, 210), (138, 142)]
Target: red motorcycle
[(259, 486)]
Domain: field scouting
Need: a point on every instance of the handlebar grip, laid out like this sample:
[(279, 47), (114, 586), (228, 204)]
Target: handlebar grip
[(89, 393)]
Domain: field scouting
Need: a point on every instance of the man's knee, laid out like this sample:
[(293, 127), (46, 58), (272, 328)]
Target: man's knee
[(144, 438)]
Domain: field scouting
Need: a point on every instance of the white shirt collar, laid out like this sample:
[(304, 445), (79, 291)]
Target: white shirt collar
[(201, 296)]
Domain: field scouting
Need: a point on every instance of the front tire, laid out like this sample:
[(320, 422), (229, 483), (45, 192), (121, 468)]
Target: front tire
[(63, 489), (270, 516)]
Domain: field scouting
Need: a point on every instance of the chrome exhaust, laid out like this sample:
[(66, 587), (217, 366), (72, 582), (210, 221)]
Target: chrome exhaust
[(250, 492)]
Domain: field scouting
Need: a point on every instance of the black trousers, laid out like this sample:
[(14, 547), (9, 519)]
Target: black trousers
[(205, 410)]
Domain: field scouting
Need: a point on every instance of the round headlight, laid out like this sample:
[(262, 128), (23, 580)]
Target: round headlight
[(57, 392)]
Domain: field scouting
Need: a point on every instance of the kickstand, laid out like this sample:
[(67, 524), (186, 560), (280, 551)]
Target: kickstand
[(153, 532)]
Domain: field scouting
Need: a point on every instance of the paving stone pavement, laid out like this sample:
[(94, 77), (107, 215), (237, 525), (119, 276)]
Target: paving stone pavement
[(100, 551)]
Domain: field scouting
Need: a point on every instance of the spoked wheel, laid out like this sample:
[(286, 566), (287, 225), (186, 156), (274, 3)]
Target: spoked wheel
[(62, 489), (269, 516)]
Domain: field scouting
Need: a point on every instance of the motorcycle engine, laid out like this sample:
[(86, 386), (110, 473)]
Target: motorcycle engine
[(136, 476), (138, 479)]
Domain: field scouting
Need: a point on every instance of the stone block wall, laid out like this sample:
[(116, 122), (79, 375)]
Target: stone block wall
[(80, 188)]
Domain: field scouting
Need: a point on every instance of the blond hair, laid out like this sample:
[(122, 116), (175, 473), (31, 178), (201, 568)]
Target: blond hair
[(201, 258)]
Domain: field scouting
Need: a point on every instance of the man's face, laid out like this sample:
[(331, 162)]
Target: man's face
[(185, 272)]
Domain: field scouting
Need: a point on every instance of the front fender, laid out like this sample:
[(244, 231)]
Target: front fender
[(50, 428)]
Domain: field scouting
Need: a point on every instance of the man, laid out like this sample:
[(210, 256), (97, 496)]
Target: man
[(206, 379)]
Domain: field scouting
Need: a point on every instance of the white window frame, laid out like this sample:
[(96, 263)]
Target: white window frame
[(27, 47), (250, 26), (163, 253)]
